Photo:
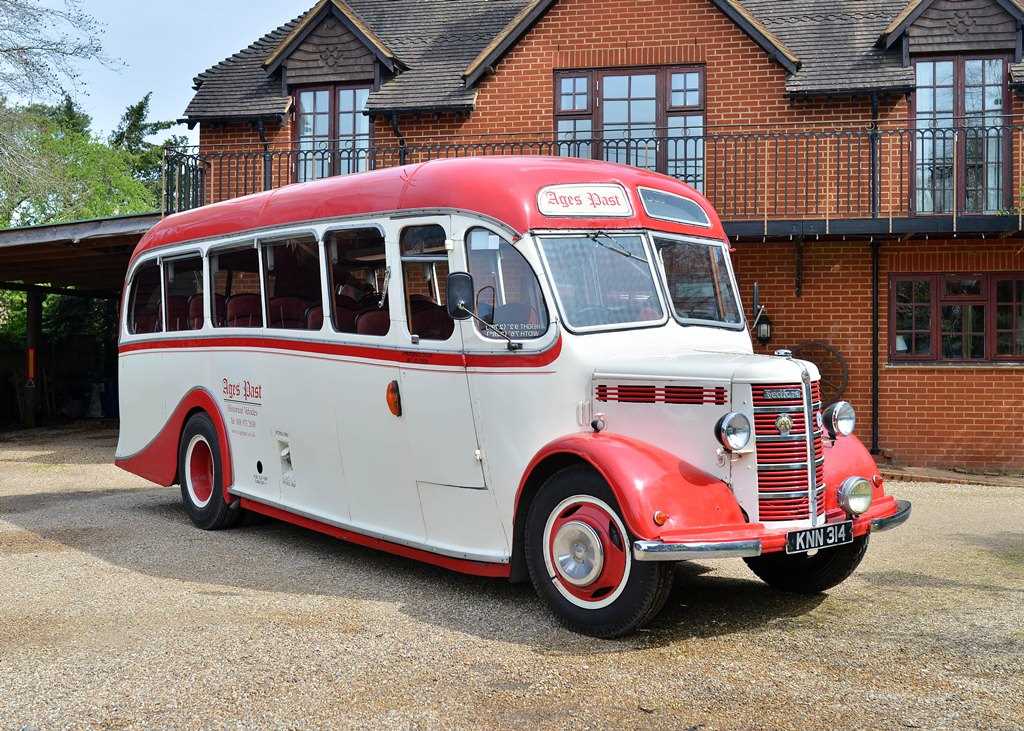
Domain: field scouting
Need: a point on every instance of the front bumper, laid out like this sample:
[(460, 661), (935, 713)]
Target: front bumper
[(756, 539)]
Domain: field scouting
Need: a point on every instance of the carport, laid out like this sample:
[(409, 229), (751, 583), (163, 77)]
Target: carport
[(79, 259)]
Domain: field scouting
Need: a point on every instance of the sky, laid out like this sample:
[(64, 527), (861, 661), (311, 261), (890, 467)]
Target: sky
[(162, 46)]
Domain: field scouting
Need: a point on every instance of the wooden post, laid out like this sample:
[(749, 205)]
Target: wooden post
[(33, 329)]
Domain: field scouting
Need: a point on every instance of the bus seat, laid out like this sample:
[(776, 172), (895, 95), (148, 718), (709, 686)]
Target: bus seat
[(433, 323), (177, 313), (243, 310), (345, 319), (315, 318), (373, 322), (347, 302), (420, 303), (370, 300), (195, 311), (288, 312)]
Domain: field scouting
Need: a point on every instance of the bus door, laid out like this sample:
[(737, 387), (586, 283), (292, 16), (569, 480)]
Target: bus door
[(436, 407)]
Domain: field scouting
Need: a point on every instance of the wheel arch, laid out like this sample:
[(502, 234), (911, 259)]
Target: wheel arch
[(158, 460), (642, 477)]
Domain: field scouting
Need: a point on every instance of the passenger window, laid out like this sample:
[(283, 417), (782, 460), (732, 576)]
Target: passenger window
[(183, 283), (358, 276), (425, 273), (144, 312), (292, 270), (508, 294), (236, 288)]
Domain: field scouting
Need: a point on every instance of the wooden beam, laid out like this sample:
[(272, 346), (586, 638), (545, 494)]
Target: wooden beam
[(62, 291)]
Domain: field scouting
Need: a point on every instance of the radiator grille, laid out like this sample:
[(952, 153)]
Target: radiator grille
[(639, 394), (782, 454)]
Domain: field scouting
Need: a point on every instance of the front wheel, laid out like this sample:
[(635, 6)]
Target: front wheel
[(579, 555), (803, 574)]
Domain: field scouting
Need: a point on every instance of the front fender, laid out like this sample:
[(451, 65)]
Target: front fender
[(646, 479), (848, 457)]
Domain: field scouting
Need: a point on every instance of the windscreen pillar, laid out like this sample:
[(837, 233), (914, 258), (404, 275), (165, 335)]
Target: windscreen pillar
[(33, 331)]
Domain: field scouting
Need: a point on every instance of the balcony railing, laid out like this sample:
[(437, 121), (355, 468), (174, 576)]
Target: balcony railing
[(861, 173)]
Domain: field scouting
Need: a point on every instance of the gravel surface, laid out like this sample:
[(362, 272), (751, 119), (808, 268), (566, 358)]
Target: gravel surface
[(117, 613)]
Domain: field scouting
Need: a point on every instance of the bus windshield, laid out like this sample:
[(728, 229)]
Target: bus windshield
[(602, 280)]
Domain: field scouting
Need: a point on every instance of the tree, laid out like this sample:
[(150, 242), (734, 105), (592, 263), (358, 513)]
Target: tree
[(131, 135), (40, 49), (84, 177)]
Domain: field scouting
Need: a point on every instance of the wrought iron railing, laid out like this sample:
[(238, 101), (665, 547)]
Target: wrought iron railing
[(748, 176)]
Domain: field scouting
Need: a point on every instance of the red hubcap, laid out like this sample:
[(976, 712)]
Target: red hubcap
[(587, 571), (200, 471)]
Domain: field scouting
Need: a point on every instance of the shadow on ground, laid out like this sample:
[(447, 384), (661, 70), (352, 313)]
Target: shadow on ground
[(147, 531)]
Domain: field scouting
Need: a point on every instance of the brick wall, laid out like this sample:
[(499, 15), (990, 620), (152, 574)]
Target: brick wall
[(929, 415)]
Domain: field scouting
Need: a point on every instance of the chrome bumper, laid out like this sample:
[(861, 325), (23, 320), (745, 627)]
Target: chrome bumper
[(896, 519), (658, 551)]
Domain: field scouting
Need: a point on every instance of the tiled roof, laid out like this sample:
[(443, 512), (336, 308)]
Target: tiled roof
[(435, 40), (836, 42)]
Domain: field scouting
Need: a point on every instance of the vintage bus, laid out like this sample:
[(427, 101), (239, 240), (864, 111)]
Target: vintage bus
[(521, 367)]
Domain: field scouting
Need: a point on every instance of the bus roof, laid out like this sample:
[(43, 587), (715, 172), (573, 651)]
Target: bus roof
[(504, 188)]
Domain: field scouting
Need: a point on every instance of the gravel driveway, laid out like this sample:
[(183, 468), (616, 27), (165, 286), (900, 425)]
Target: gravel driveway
[(117, 613)]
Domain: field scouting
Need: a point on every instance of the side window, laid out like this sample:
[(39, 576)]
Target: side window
[(144, 311), (425, 274), (358, 275), (236, 288), (183, 283), (292, 270), (508, 295)]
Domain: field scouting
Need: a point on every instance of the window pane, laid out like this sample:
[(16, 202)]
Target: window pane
[(144, 313), (616, 87), (183, 282), (698, 281), (602, 280), (425, 281), (358, 277), (292, 271), (957, 286), (235, 279), (669, 207), (944, 73), (508, 294), (925, 73), (642, 86)]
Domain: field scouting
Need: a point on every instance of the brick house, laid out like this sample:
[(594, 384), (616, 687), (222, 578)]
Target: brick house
[(864, 155)]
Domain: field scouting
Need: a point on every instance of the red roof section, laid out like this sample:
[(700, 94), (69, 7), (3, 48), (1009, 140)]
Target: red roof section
[(501, 187)]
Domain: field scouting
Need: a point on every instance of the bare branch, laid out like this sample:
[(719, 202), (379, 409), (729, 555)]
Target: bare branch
[(41, 47)]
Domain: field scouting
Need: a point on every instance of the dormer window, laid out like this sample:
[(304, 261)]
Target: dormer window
[(333, 132)]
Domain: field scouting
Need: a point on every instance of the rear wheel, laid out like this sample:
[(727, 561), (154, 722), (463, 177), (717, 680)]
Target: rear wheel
[(579, 555), (202, 483), (804, 574)]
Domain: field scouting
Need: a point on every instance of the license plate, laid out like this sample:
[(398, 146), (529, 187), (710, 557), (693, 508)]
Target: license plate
[(826, 536)]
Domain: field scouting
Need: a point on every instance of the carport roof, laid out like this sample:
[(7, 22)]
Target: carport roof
[(90, 255)]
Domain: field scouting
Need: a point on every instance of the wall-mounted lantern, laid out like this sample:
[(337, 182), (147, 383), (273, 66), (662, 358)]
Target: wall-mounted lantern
[(763, 330)]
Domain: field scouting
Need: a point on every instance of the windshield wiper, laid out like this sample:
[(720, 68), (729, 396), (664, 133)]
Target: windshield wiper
[(613, 246)]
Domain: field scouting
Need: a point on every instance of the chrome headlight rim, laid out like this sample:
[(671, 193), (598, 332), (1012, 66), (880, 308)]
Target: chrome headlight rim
[(840, 419), (734, 424), (852, 501)]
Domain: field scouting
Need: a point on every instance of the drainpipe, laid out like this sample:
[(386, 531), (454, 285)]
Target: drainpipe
[(393, 121), (874, 136), (876, 247), (268, 178)]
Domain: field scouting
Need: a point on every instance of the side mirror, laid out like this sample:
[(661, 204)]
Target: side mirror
[(460, 295)]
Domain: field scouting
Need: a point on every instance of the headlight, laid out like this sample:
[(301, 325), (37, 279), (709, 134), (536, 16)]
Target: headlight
[(855, 495), (733, 431), (840, 418)]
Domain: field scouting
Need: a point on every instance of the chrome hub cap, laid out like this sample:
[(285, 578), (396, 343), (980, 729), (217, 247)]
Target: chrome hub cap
[(579, 557)]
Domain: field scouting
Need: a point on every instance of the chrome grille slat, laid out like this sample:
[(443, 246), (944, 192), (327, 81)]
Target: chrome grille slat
[(790, 467)]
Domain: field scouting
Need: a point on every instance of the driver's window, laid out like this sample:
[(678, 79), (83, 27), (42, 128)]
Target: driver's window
[(507, 294), (425, 276)]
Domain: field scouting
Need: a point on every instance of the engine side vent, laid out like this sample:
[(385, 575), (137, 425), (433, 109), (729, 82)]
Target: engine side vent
[(680, 395)]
